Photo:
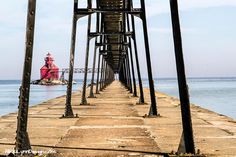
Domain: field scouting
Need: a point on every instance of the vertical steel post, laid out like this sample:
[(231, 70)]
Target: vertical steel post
[(99, 53), (141, 98), (183, 88), (68, 107), (125, 74), (129, 74), (102, 72), (111, 76), (94, 59), (153, 109), (22, 138), (98, 72), (91, 95), (131, 59), (120, 76), (105, 76), (83, 99)]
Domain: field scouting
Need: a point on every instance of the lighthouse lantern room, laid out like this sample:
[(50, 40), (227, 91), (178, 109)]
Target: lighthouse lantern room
[(49, 71)]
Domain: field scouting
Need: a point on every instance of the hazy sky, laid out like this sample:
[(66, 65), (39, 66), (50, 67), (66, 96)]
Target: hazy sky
[(208, 32)]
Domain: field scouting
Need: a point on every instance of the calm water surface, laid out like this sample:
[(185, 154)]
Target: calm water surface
[(9, 93), (217, 94)]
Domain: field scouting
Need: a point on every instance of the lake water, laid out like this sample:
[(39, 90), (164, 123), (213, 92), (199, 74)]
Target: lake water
[(216, 94), (9, 93)]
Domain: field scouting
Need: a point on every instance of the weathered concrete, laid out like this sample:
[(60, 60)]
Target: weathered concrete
[(114, 125)]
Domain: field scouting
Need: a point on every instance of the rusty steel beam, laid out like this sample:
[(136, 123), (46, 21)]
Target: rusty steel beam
[(182, 83), (97, 84), (83, 98), (22, 138), (68, 106), (153, 109), (91, 95), (141, 98), (131, 59)]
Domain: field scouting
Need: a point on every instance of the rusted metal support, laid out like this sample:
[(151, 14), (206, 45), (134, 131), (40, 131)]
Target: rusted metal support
[(97, 84), (68, 107), (153, 108), (103, 75), (91, 95), (100, 28), (183, 88), (129, 73), (121, 75), (123, 38), (111, 76), (94, 59), (131, 59), (106, 75), (102, 72), (83, 98), (141, 97), (22, 138), (125, 74)]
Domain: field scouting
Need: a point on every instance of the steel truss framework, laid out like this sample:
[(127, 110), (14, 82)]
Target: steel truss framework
[(81, 70), (116, 52)]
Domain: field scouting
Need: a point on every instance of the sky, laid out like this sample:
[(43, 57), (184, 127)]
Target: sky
[(208, 34)]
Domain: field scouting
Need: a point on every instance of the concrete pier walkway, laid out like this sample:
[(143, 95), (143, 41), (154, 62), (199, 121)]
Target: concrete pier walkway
[(113, 124)]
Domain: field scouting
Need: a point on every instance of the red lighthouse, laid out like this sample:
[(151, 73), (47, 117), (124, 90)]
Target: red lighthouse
[(49, 71)]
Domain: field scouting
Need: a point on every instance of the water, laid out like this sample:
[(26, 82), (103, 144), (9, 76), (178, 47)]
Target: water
[(9, 93), (216, 94)]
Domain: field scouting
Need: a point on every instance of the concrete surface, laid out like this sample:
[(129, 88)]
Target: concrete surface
[(114, 125)]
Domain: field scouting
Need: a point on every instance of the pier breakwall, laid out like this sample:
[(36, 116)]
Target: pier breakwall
[(114, 124)]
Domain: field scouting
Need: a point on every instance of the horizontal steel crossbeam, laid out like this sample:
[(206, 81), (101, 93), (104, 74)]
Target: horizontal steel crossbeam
[(80, 70)]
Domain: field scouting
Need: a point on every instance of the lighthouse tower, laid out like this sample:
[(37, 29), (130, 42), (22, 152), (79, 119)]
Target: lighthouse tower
[(49, 71)]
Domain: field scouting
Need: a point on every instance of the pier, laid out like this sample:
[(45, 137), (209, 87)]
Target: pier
[(114, 124), (114, 117)]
